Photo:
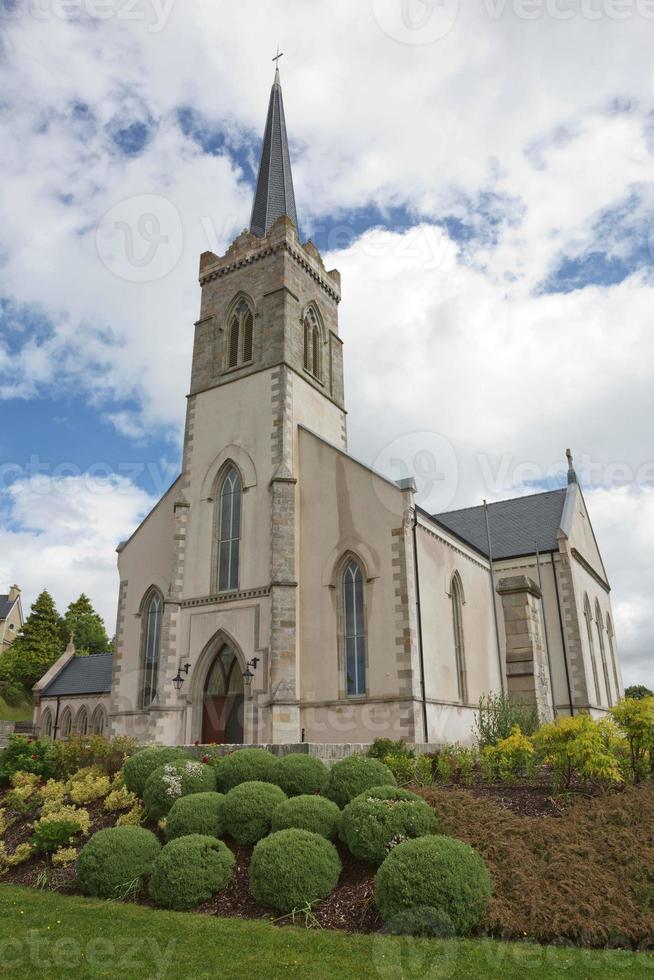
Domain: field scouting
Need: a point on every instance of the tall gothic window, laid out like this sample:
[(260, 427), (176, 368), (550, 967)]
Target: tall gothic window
[(588, 616), (66, 725), (240, 335), (614, 659), (99, 722), (46, 724), (229, 530), (312, 359), (599, 622), (456, 598), (152, 617), (82, 722), (354, 629)]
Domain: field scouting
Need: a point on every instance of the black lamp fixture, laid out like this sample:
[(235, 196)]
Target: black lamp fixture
[(179, 680), (247, 673)]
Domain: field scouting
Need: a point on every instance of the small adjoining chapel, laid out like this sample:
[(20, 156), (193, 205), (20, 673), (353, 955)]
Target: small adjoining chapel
[(283, 592)]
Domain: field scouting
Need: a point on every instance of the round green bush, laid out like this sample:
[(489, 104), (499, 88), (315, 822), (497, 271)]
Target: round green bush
[(301, 775), (139, 767), (293, 868), (381, 817), (314, 813), (189, 870), (353, 775), (248, 810), (437, 872), (176, 779), (200, 813), (245, 766), (116, 861), (422, 921)]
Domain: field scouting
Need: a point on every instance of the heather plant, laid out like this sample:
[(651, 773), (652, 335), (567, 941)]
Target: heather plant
[(498, 714)]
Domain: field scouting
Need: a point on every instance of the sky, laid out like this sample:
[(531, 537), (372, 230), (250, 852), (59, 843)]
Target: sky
[(481, 173)]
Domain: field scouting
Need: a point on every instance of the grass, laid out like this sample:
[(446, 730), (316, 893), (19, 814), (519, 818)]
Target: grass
[(22, 712), (48, 934)]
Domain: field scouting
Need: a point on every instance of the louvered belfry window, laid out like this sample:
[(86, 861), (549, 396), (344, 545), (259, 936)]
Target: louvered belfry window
[(240, 336)]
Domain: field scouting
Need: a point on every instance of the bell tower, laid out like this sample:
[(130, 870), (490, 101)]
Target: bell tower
[(267, 359)]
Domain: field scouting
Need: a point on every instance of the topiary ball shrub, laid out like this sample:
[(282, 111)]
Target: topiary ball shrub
[(200, 813), (174, 780), (313, 813), (423, 921), (353, 775), (437, 872), (293, 868), (189, 870), (116, 861), (139, 767), (380, 818), (245, 766), (248, 810), (301, 775)]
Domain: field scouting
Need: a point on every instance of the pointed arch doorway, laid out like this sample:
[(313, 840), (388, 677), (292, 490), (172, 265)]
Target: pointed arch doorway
[(223, 700)]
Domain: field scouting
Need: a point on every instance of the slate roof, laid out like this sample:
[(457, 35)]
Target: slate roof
[(274, 195), (82, 675), (517, 526), (5, 606)]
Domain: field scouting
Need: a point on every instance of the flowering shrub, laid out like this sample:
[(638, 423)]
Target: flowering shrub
[(634, 718), (174, 780), (139, 767), (120, 799), (510, 759), (579, 748), (26, 755), (381, 818), (64, 857), (88, 785)]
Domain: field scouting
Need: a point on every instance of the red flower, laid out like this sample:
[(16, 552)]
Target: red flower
[(206, 759)]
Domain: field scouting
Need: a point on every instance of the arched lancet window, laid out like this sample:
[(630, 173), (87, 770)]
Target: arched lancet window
[(588, 616), (354, 629), (312, 344), (66, 723), (614, 658), (152, 616), (456, 598), (229, 530), (46, 723), (240, 335), (99, 722), (82, 722), (599, 622)]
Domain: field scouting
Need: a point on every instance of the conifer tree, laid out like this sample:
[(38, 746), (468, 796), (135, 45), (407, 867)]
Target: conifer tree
[(36, 647), (86, 626)]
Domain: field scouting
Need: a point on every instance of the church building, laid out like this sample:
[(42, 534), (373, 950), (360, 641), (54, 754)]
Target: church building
[(283, 592)]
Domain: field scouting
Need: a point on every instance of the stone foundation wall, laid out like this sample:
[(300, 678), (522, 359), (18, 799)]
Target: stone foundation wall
[(329, 752)]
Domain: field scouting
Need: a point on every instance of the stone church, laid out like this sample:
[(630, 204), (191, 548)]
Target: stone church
[(282, 592)]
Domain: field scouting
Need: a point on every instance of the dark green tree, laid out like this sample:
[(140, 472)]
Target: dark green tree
[(638, 691), (86, 627), (36, 647)]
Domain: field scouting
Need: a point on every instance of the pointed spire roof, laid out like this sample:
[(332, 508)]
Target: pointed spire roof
[(274, 195)]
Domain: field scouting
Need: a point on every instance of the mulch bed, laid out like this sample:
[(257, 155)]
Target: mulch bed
[(565, 869)]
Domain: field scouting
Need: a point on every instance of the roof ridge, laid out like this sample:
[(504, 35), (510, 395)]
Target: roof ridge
[(504, 500)]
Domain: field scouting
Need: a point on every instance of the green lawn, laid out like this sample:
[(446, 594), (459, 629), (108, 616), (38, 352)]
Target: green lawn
[(44, 934), (22, 712)]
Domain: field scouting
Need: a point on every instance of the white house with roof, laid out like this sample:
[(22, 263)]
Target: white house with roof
[(283, 592), (11, 617)]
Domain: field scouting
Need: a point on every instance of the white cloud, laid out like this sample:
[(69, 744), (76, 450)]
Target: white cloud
[(62, 535), (543, 124)]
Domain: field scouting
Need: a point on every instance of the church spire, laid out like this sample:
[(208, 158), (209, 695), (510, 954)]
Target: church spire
[(274, 195), (572, 474)]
